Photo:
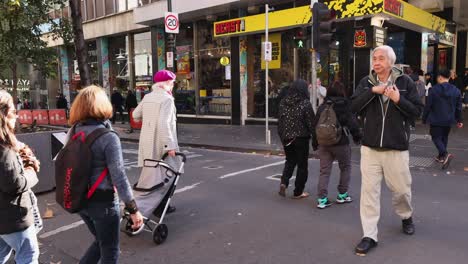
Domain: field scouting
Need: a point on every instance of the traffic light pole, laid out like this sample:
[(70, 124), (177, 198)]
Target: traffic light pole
[(267, 131), (171, 40), (313, 70)]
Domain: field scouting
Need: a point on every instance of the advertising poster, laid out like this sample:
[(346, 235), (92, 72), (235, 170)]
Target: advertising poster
[(243, 78), (161, 50), (105, 65), (275, 62), (183, 59)]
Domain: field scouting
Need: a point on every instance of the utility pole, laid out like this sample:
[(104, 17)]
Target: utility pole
[(313, 98), (170, 41), (266, 46)]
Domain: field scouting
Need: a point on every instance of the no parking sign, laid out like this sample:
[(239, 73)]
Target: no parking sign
[(171, 22)]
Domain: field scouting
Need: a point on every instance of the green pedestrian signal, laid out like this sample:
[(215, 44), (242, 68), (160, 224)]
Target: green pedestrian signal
[(300, 44)]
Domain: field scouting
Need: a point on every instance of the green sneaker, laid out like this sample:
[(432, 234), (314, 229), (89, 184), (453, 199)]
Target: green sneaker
[(343, 198), (323, 203)]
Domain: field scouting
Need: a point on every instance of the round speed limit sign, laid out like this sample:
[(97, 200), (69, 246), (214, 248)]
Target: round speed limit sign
[(171, 22)]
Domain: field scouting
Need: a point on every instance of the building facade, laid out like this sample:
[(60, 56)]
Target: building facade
[(218, 51)]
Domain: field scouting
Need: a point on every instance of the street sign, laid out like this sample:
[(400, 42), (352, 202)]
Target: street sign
[(170, 59), (171, 22), (267, 51)]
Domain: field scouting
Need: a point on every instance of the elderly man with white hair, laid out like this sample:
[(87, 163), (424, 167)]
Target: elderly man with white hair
[(387, 101)]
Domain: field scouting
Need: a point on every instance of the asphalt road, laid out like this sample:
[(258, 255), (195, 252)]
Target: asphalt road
[(228, 211)]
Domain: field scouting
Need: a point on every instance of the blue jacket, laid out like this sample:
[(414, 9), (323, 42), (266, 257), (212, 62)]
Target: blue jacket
[(443, 105)]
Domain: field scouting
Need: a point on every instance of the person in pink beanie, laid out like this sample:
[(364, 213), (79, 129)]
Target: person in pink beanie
[(158, 135)]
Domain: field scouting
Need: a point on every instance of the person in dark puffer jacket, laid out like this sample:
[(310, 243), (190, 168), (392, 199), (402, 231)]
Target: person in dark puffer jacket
[(340, 151), (295, 129)]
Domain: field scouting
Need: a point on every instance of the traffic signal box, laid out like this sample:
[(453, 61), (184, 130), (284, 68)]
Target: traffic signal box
[(323, 20)]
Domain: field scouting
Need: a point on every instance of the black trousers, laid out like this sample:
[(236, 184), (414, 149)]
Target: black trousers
[(297, 154), (120, 111), (439, 136)]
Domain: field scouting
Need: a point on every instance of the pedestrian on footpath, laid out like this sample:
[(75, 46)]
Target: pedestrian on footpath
[(92, 110), (158, 134), (295, 129), (443, 110), (130, 103), (387, 101), (17, 202), (117, 101), (335, 120)]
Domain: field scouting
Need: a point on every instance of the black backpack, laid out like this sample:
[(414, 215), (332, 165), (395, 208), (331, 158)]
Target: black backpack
[(328, 129), (73, 170)]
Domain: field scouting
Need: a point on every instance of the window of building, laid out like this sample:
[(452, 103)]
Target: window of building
[(121, 5), (143, 2), (214, 78), (99, 8), (83, 10), (109, 7), (143, 61), (184, 88), (132, 4), (90, 9)]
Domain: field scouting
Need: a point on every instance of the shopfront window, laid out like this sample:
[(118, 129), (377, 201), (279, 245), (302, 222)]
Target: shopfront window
[(215, 78), (118, 58), (281, 72), (93, 61), (143, 63), (184, 89)]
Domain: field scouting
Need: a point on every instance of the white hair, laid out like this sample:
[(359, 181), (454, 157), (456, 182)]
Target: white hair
[(166, 85), (389, 51)]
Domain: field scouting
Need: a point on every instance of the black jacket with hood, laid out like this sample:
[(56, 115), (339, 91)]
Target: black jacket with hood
[(346, 119), (387, 125), (295, 114)]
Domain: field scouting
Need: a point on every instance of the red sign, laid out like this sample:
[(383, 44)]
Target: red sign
[(25, 117), (233, 26), (58, 117), (394, 6), (41, 117), (360, 38)]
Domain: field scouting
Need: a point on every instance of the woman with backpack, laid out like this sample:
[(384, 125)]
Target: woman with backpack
[(91, 110), (330, 136), (295, 128), (17, 202)]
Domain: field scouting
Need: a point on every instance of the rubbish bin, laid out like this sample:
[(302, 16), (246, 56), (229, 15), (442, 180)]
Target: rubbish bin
[(45, 147)]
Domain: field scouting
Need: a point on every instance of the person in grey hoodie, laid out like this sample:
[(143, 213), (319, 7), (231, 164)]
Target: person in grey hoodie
[(92, 110), (295, 129), (443, 110)]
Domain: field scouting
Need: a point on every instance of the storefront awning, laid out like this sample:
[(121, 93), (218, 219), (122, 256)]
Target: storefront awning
[(278, 20), (395, 11)]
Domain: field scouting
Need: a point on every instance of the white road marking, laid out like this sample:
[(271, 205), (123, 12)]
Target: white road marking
[(61, 229), (130, 151), (275, 178), (186, 188), (77, 224), (252, 169)]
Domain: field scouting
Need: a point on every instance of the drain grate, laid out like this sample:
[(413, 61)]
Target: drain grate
[(414, 137), (421, 162)]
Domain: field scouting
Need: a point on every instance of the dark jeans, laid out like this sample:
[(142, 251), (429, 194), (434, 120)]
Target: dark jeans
[(439, 136), (297, 153), (328, 154), (120, 111), (103, 220)]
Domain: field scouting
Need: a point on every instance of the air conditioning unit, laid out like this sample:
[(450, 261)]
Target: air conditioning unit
[(428, 5)]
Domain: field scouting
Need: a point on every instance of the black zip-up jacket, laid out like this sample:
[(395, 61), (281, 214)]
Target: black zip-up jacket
[(15, 201), (388, 129), (295, 118), (342, 108)]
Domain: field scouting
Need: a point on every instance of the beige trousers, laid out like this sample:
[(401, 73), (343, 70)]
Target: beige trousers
[(393, 166)]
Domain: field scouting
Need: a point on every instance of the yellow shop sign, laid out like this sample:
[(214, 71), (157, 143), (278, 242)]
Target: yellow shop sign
[(281, 19)]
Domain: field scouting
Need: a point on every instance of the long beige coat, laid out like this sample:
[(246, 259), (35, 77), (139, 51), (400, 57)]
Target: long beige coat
[(158, 133)]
